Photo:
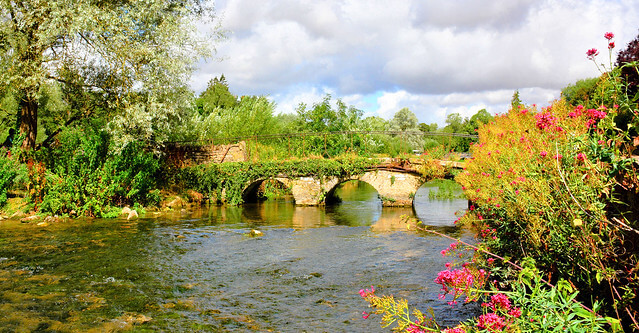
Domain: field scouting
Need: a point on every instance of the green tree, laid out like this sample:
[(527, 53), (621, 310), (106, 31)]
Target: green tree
[(405, 120), (580, 92), (481, 117), (322, 117), (253, 115), (216, 95), (375, 123), (455, 123), (426, 128), (325, 117), (515, 102), (107, 55)]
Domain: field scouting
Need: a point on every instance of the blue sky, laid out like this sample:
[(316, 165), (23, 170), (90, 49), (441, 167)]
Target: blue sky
[(434, 57)]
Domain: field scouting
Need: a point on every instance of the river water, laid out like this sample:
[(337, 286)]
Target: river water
[(201, 271)]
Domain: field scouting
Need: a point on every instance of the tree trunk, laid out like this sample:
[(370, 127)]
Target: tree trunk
[(29, 120)]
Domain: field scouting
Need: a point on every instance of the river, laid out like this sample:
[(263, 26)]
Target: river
[(201, 271)]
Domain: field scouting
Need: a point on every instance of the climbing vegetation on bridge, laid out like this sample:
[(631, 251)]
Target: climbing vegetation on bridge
[(227, 181)]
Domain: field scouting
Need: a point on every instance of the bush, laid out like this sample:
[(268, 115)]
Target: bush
[(9, 168), (546, 179), (85, 177)]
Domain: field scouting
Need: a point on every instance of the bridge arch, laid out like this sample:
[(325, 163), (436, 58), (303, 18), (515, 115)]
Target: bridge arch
[(251, 192), (331, 196), (394, 188)]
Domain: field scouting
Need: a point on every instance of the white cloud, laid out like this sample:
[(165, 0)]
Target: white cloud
[(435, 57)]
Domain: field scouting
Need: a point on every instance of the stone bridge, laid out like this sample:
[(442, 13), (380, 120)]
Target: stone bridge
[(395, 184)]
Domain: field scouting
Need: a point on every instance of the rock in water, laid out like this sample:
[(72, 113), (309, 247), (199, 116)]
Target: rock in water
[(255, 233), (132, 214)]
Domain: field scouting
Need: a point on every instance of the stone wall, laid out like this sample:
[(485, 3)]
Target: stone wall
[(186, 154)]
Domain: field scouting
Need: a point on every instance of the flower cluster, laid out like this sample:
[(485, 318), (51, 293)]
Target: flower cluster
[(367, 292), (462, 281), (545, 120), (595, 116), (491, 322), (609, 36), (502, 315)]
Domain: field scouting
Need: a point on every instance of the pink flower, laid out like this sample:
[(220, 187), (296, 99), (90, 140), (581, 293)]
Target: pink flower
[(592, 53), (543, 153), (515, 312), (499, 301), (576, 112), (491, 321), (581, 157), (365, 315), (412, 328), (366, 293), (609, 35), (545, 120), (491, 261), (454, 330)]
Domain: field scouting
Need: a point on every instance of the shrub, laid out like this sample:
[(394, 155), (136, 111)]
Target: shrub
[(546, 179), (9, 168), (86, 178)]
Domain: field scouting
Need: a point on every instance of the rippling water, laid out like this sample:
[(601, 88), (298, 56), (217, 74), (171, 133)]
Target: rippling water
[(201, 271)]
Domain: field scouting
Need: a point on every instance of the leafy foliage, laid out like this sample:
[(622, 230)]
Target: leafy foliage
[(85, 178), (627, 60), (546, 178), (9, 168), (216, 95), (106, 55)]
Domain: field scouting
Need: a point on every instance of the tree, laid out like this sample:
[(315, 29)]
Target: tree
[(515, 102), (428, 128), (322, 117), (455, 123), (481, 117), (406, 120), (216, 95), (581, 92), (627, 60), (122, 55), (253, 115)]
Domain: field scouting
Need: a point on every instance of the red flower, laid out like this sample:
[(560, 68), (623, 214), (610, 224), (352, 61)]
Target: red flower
[(365, 315), (611, 45), (592, 53), (609, 35)]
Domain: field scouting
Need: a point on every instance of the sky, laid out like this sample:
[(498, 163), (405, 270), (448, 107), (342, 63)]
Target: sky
[(433, 57)]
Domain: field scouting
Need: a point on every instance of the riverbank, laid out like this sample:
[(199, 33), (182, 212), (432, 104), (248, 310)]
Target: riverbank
[(20, 209)]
